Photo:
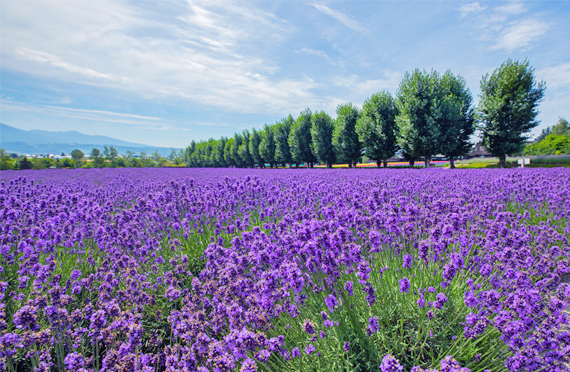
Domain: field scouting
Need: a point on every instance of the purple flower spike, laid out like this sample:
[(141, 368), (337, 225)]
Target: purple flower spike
[(390, 364), (331, 302), (405, 285)]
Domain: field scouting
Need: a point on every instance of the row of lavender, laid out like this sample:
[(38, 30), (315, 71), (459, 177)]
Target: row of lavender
[(145, 270)]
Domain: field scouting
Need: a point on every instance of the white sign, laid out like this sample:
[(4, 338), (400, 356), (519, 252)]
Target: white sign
[(522, 162)]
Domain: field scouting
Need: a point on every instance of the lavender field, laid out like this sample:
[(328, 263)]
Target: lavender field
[(284, 270)]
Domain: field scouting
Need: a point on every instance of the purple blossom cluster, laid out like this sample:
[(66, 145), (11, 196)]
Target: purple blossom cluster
[(189, 269)]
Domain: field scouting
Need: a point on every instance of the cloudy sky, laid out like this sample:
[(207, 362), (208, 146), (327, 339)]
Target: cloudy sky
[(166, 72)]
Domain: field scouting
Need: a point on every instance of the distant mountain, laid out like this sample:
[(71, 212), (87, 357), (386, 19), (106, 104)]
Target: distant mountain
[(48, 142)]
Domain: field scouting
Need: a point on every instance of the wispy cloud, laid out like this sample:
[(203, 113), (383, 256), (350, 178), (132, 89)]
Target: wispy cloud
[(471, 8), (557, 76), (520, 35), (503, 28), (97, 115), (322, 54), (99, 112), (204, 52), (341, 17), (27, 54), (513, 7)]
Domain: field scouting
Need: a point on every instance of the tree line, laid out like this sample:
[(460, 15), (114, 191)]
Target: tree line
[(553, 140), (430, 114)]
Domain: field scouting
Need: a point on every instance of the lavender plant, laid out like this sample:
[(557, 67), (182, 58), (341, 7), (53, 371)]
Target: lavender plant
[(221, 270)]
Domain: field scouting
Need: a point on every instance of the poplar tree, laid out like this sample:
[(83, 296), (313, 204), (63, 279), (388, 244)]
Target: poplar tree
[(376, 128), (322, 127), (345, 140), (508, 107), (300, 139)]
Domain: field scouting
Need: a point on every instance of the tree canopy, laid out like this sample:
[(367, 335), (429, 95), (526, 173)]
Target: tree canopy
[(508, 107), (347, 145), (377, 128)]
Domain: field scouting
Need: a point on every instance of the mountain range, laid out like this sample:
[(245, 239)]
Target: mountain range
[(36, 142)]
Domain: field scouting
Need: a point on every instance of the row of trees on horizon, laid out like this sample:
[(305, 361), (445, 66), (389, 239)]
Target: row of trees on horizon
[(430, 114)]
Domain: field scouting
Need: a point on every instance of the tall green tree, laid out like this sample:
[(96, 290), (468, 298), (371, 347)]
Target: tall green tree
[(456, 116), (234, 150), (254, 141), (228, 157), (508, 107), (77, 155), (300, 139), (6, 162), (267, 145), (419, 114), (346, 143), (243, 150), (282, 149), (23, 163), (376, 128), (561, 128), (321, 132), (97, 158)]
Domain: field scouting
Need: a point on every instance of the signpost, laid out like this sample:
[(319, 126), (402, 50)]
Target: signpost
[(523, 162)]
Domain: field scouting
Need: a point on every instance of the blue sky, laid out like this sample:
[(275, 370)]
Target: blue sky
[(165, 73)]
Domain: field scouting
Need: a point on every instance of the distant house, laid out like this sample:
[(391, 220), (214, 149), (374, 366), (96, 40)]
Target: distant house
[(478, 151)]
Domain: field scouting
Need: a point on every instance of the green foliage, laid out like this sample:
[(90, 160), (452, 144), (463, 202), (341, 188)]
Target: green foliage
[(376, 128), (217, 154), (456, 116), (508, 107), (254, 141), (322, 127), (234, 150), (23, 163), (77, 156), (228, 158), (282, 150), (110, 153), (267, 145), (418, 113), (300, 139), (97, 158), (6, 162), (435, 115), (562, 128), (243, 150), (407, 331), (551, 145), (345, 140)]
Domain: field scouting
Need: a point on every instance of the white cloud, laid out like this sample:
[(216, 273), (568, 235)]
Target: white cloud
[(556, 77), (520, 35), (99, 112), (103, 116), (514, 7), (341, 17), (37, 56), (471, 8), (215, 53)]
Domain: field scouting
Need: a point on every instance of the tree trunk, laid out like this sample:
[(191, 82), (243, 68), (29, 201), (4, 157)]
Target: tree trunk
[(451, 162), (427, 161), (354, 164), (312, 164), (378, 162), (502, 161), (296, 165), (412, 162), (329, 164), (350, 163), (385, 163)]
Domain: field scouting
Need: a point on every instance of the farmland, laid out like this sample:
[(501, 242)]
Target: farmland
[(284, 270)]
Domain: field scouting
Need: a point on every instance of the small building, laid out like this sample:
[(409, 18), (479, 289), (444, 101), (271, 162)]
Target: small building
[(478, 151)]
